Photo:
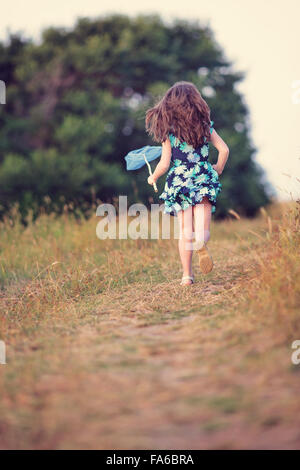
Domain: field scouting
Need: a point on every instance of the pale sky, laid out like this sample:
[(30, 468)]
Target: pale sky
[(261, 37)]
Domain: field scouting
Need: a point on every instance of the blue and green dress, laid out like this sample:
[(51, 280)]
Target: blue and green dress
[(190, 178)]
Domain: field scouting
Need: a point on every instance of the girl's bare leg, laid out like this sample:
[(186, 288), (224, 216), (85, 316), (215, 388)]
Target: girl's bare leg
[(202, 219), (185, 219), (202, 215)]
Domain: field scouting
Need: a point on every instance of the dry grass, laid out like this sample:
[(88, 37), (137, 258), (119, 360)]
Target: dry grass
[(105, 350)]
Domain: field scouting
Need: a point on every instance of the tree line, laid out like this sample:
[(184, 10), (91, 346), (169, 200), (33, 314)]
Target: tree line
[(76, 102)]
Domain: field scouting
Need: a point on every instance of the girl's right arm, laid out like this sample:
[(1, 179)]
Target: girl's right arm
[(164, 162), (223, 150)]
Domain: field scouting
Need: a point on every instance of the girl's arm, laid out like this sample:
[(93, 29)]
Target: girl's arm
[(164, 162), (223, 149)]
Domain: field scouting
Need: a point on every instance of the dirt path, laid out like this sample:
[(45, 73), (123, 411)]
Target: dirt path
[(152, 365)]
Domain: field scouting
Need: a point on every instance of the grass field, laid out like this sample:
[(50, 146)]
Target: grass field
[(106, 351)]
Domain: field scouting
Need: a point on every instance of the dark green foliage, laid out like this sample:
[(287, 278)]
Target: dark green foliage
[(76, 104)]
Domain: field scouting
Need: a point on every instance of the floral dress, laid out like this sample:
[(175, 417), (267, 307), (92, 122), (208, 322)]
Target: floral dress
[(191, 177)]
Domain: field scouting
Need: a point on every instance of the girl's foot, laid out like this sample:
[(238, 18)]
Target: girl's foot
[(187, 281), (205, 260)]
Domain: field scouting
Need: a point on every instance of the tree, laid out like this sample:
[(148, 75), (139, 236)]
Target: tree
[(76, 104)]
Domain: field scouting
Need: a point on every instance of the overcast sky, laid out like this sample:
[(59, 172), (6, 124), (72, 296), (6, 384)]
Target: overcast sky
[(262, 37)]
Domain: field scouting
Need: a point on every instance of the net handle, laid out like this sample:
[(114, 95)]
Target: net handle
[(150, 173)]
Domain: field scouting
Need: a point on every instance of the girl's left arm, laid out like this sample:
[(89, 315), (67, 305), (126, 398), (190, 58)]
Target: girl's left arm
[(164, 162), (223, 150)]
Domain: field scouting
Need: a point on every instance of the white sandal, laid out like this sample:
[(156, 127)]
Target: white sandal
[(187, 278)]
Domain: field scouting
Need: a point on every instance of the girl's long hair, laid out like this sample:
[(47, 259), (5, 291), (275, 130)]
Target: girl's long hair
[(183, 112)]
